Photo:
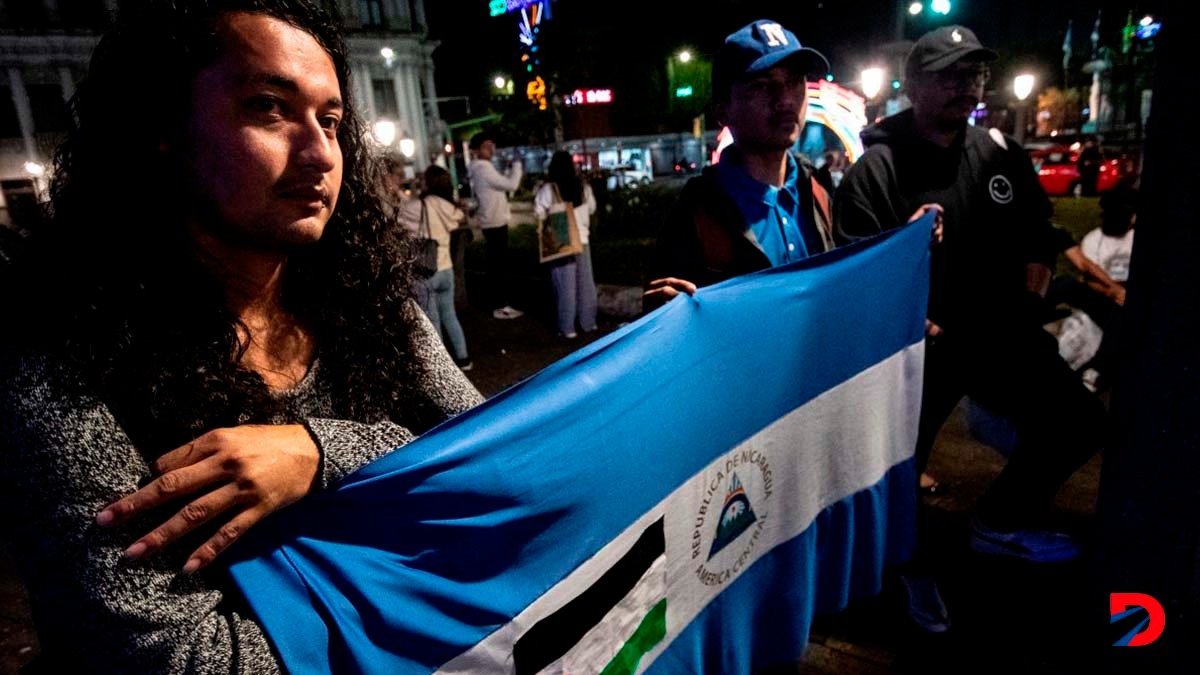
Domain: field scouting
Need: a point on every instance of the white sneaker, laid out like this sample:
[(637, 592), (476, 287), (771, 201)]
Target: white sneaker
[(1091, 377), (507, 312)]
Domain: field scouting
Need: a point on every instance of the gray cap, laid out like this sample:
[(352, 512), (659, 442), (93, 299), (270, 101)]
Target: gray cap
[(938, 49)]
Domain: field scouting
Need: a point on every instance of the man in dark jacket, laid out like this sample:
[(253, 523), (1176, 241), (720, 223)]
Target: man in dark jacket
[(985, 338), (760, 206)]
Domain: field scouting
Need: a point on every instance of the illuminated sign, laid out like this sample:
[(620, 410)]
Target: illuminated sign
[(498, 7), (1145, 31), (535, 91), (838, 109), (530, 15), (841, 111), (589, 97), (683, 92)]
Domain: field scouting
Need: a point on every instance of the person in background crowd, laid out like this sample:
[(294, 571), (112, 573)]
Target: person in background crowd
[(833, 167), (491, 189), (574, 287), (1109, 246), (435, 208), (1088, 165), (242, 336)]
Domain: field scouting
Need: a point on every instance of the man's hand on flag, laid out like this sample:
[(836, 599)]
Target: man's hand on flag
[(932, 330), (938, 228), (239, 475), (661, 291)]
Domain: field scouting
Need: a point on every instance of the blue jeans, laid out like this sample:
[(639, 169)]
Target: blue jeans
[(436, 295), (575, 293)]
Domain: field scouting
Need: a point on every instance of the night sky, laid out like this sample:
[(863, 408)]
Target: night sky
[(625, 45)]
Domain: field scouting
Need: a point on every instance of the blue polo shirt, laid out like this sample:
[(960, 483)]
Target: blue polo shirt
[(775, 215)]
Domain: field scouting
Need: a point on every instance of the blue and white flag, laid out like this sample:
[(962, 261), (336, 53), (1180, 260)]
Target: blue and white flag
[(682, 495)]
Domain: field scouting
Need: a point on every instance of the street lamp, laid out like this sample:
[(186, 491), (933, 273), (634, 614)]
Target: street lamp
[(872, 82), (684, 72), (915, 8), (499, 81), (1023, 86), (939, 7)]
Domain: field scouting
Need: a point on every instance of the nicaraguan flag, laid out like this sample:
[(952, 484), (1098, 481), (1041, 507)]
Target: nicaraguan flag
[(682, 495)]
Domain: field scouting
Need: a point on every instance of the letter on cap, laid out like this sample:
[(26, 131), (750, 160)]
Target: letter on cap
[(774, 33)]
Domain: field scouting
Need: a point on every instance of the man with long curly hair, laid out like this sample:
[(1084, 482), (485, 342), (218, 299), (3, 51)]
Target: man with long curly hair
[(215, 323)]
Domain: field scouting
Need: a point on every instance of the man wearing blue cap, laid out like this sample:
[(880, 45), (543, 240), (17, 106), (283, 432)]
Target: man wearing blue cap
[(760, 206)]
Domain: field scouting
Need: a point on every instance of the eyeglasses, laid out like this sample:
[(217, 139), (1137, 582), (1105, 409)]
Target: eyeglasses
[(958, 78)]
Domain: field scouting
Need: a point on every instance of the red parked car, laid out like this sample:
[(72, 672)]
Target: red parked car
[(1059, 175)]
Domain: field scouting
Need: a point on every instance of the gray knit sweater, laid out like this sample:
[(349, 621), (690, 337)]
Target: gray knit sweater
[(64, 457)]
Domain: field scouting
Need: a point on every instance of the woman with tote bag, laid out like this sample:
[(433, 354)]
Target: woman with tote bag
[(571, 276)]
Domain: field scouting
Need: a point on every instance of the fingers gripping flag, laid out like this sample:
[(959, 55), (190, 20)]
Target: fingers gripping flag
[(680, 496)]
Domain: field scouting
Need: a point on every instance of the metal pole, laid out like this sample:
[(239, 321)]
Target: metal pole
[(671, 82)]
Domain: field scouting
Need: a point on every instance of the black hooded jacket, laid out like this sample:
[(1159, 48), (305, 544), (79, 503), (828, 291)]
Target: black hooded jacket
[(997, 217)]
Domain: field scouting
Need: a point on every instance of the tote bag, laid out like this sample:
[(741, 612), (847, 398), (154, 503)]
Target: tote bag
[(558, 233)]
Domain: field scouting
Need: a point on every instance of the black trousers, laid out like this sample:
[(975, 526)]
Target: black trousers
[(1016, 372), (1088, 178), (496, 254)]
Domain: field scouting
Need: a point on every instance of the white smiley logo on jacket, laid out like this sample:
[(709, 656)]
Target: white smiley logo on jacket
[(1000, 189)]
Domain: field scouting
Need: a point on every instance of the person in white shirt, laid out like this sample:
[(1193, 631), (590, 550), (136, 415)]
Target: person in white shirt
[(491, 188), (1111, 244), (574, 287), (1110, 247), (436, 294)]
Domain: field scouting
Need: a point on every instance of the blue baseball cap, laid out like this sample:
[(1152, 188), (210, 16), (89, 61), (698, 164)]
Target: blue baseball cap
[(760, 46)]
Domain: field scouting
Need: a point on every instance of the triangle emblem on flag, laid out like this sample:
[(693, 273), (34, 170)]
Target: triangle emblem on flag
[(736, 516)]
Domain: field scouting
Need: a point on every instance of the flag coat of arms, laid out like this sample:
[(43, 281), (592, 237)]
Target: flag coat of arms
[(683, 495)]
